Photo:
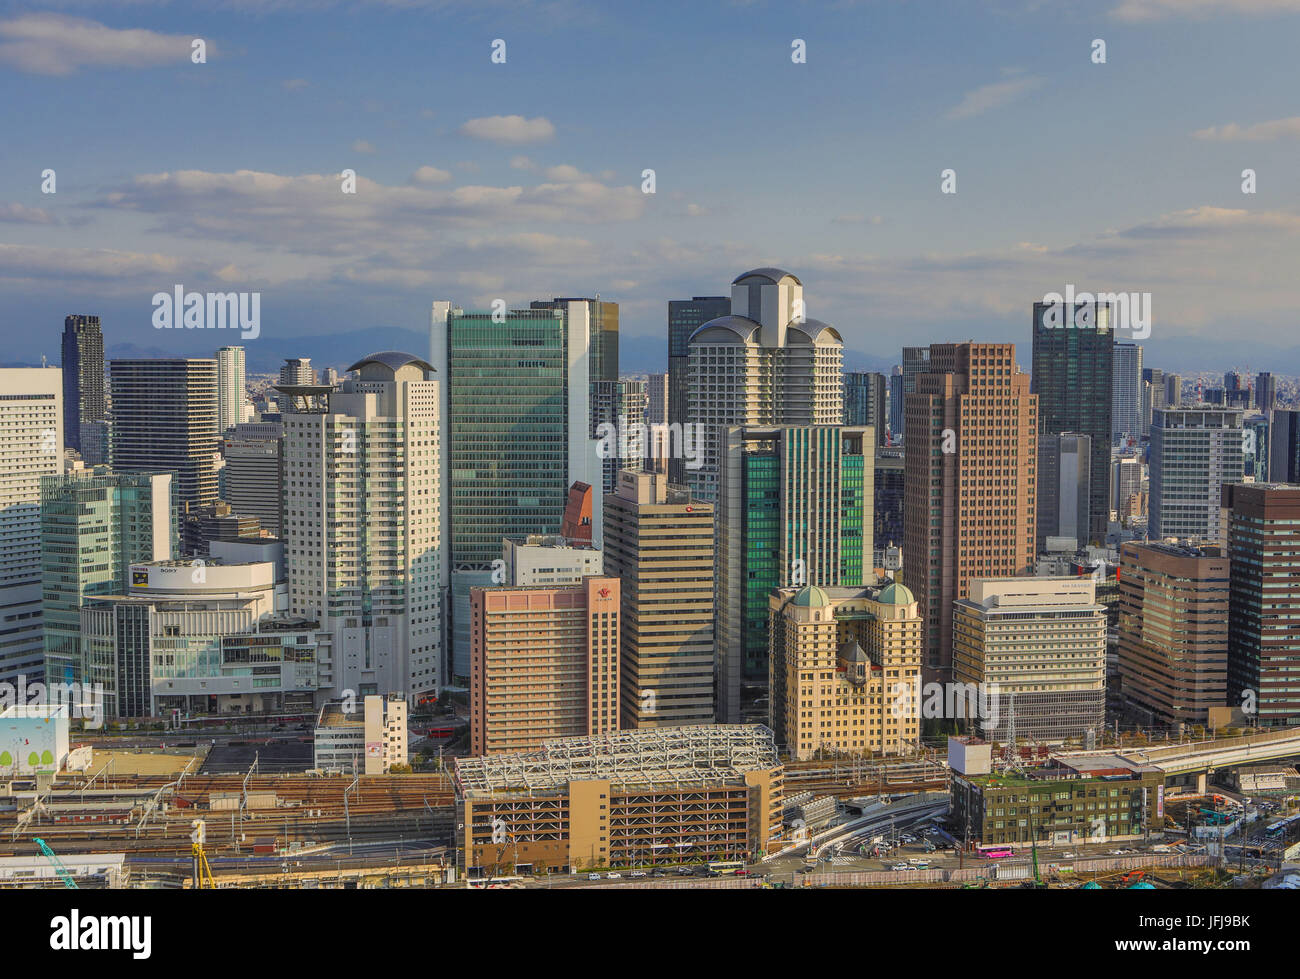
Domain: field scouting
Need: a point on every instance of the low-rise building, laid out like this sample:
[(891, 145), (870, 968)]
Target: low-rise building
[(33, 739), (653, 797), (366, 742)]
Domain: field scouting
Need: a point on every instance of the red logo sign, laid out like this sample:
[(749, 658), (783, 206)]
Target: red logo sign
[(603, 593)]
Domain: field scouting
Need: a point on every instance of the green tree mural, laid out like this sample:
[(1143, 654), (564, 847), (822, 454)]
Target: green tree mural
[(6, 759)]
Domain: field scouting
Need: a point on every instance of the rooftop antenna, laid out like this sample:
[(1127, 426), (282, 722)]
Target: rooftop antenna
[(1010, 756)]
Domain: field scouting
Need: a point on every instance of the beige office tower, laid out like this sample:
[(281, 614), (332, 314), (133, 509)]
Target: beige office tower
[(31, 446), (543, 664), (845, 668), (230, 388), (971, 451), (659, 542), (1036, 646), (361, 523), (768, 363), (1173, 630)]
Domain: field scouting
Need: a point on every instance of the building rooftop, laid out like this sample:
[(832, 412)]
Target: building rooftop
[(393, 359), (655, 756)]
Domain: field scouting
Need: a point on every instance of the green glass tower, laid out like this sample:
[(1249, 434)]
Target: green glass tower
[(795, 508), (516, 434), (94, 526)]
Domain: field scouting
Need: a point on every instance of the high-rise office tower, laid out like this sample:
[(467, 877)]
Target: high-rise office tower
[(795, 508), (83, 377), (294, 371), (916, 360), (845, 663), (516, 434), (685, 316), (1173, 391), (31, 446), (659, 543), (1153, 396), (94, 525), (1284, 447), (1125, 485), (230, 388), (1064, 487), (1041, 643), (253, 473), (1074, 367), (866, 402), (1126, 393), (896, 406), (1265, 391), (1231, 381), (362, 523), (561, 682), (619, 414), (656, 415), (1263, 635), (1173, 630), (888, 517), (165, 420), (602, 318), (971, 462), (1255, 431), (766, 363), (1194, 453)]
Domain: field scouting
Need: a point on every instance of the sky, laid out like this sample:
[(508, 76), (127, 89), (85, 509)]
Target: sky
[(479, 180)]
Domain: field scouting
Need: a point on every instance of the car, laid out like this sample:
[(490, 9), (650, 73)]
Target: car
[(637, 873), (658, 873), (685, 872), (742, 873), (613, 875), (900, 866), (593, 877)]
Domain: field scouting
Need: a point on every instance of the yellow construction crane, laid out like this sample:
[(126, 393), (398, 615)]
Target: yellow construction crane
[(202, 876)]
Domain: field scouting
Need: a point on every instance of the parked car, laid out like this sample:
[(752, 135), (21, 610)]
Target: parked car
[(637, 873)]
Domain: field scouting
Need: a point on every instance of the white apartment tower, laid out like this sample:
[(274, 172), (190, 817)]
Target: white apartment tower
[(362, 528), (230, 388), (767, 363), (31, 446)]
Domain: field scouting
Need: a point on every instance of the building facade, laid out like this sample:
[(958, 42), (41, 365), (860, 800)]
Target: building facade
[(685, 316), (83, 379), (230, 388), (1195, 452), (1064, 487), (971, 464), (659, 542)]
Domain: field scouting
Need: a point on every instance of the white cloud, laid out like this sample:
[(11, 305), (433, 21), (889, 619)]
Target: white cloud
[(992, 96), (54, 44), (509, 129), (1146, 10), (361, 146), (1260, 132), (15, 213), (522, 163), (430, 175)]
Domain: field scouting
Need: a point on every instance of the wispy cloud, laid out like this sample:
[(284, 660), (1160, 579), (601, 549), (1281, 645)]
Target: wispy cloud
[(992, 96), (1145, 10), (55, 44), (15, 213), (1260, 132)]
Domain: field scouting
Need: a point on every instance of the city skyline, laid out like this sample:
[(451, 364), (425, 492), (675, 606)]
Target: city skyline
[(480, 180)]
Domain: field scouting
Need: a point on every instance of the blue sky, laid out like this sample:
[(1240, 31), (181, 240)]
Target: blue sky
[(523, 180)]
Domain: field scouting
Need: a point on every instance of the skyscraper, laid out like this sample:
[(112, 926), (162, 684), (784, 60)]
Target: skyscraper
[(165, 420), (94, 525), (1194, 453), (1173, 630), (619, 410), (516, 434), (1265, 391), (253, 474), (971, 462), (766, 363), (866, 402), (795, 509), (1153, 396), (1263, 636), (896, 393), (1284, 447), (656, 414), (1126, 395), (362, 524), (31, 447), (685, 316), (230, 388), (1064, 487), (1073, 376), (83, 376), (1173, 391), (294, 370), (659, 543)]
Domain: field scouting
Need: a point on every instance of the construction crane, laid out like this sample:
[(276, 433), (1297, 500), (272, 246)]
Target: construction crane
[(202, 874), (57, 864)]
